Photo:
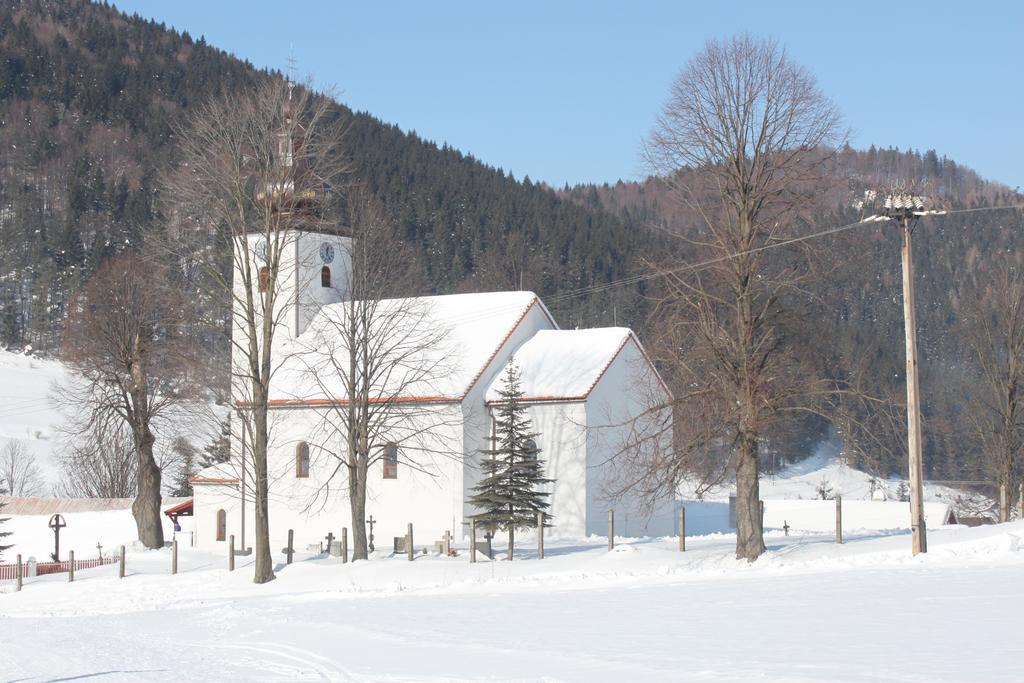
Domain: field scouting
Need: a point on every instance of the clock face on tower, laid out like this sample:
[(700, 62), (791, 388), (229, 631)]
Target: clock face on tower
[(326, 252)]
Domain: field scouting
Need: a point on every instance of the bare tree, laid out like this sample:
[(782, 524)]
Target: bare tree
[(995, 337), (120, 339), (740, 140), (375, 356), (256, 168), (19, 473), (99, 462)]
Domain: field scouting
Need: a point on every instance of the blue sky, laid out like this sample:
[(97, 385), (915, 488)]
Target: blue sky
[(566, 91)]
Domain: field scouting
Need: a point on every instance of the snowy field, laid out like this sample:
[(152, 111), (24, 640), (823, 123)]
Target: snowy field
[(807, 611)]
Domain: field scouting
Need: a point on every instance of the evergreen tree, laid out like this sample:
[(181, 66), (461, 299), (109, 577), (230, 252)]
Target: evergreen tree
[(219, 449), (509, 494), (186, 456)]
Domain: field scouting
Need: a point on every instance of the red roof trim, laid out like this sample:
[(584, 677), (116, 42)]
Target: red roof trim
[(180, 507), (629, 337), (508, 335), (313, 402), (205, 480)]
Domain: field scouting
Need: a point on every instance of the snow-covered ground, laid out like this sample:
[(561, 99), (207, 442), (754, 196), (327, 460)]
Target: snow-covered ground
[(807, 611), (29, 415), (26, 413)]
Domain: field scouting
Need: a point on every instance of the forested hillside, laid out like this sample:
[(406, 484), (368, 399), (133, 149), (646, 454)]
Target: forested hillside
[(852, 310), (88, 103), (89, 100)]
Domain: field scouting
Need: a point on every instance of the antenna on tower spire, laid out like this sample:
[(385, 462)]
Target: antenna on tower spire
[(290, 78)]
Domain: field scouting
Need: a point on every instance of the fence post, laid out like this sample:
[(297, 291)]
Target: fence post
[(231, 553), (17, 573), (682, 528), (174, 557), (290, 550), (611, 529), (540, 535), (344, 544), (472, 540), (408, 542), (71, 566), (120, 563), (839, 519)]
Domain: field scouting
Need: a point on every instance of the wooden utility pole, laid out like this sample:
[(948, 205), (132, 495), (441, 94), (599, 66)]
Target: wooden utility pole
[(540, 535), (174, 556), (839, 519), (408, 542), (682, 528), (611, 529), (905, 209), (472, 540), (120, 563), (17, 573)]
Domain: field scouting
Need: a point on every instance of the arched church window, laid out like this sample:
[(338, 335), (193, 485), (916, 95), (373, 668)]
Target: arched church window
[(222, 525), (302, 460), (530, 446), (391, 461), (264, 278), (325, 276)]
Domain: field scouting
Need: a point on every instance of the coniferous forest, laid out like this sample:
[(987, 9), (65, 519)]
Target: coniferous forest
[(89, 101)]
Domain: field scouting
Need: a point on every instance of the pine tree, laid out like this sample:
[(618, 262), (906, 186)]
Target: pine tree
[(509, 494), (182, 485), (219, 448)]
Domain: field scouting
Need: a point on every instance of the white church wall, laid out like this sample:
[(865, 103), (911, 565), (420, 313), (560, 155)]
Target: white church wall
[(314, 252), (299, 292), (429, 470), (624, 392), (562, 438), (207, 499)]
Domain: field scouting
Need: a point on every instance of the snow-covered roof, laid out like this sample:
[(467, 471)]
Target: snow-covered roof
[(218, 473), (563, 364), (438, 346)]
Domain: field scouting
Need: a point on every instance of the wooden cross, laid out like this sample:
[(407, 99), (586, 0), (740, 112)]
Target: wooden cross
[(99, 549), (56, 523), (785, 527), (329, 537), (370, 522)]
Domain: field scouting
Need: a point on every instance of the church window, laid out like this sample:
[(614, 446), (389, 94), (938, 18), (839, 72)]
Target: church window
[(264, 278), (325, 276), (302, 460), (391, 461), (222, 525), (530, 446)]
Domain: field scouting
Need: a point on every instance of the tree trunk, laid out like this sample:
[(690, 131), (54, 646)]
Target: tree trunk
[(357, 505), (146, 507), (749, 535), (264, 570), (1004, 497)]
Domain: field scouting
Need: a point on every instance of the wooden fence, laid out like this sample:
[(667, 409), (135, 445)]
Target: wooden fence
[(8, 572)]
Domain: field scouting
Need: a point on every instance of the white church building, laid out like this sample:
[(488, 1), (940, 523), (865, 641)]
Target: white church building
[(584, 390)]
